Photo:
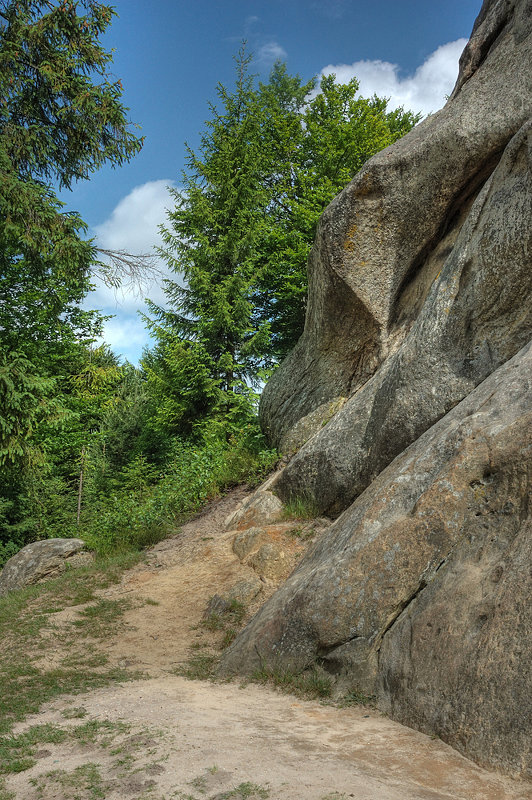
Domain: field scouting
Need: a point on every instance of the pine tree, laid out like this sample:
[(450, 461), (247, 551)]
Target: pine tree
[(239, 237)]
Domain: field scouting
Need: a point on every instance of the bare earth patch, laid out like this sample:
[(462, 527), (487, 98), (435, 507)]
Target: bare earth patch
[(168, 737)]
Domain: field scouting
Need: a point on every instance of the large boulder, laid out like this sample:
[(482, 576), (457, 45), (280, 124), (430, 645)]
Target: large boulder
[(392, 252), (477, 314), (408, 401), (420, 591), (40, 561)]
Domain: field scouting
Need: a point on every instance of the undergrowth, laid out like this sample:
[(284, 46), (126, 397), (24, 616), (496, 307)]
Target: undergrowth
[(310, 684)]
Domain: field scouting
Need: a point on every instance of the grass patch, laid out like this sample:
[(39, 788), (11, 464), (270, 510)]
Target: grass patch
[(16, 752), (100, 620), (301, 507), (245, 791), (309, 684), (83, 783), (230, 614), (27, 629), (78, 712), (201, 667), (354, 697)]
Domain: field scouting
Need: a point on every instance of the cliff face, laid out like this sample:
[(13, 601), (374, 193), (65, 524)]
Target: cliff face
[(409, 399), (392, 240)]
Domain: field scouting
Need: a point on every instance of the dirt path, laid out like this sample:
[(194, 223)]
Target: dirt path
[(167, 737)]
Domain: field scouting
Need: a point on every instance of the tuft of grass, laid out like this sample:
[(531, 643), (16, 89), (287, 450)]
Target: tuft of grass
[(301, 507), (309, 684), (78, 712), (101, 731), (228, 638), (227, 620), (201, 667), (354, 697), (100, 619), (245, 791), (334, 796)]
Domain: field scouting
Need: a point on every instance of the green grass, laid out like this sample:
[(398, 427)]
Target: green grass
[(83, 783), (200, 667), (245, 791), (100, 619), (17, 752), (232, 615), (303, 508), (309, 684), (27, 629)]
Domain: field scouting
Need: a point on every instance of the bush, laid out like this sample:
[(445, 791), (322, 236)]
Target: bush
[(146, 507)]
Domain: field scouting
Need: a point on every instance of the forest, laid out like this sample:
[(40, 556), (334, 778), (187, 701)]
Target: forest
[(115, 453)]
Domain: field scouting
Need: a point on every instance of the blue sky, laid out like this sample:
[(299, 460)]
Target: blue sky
[(170, 55)]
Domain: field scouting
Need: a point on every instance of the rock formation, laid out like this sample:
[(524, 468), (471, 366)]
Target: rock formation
[(411, 387), (41, 561)]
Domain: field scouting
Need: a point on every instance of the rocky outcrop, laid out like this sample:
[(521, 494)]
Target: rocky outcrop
[(420, 590), (389, 236), (40, 561), (408, 401), (477, 314)]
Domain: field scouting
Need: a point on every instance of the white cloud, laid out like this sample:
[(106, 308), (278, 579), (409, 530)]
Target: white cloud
[(271, 52), (423, 91), (134, 227)]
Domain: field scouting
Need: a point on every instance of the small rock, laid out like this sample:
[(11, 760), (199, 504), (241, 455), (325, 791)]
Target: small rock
[(248, 541), (216, 605), (269, 562), (262, 508), (245, 591)]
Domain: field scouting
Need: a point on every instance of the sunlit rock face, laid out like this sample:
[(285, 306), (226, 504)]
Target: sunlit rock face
[(406, 409), (406, 266)]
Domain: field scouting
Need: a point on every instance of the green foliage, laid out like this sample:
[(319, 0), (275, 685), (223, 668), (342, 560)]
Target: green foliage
[(301, 508), (24, 402), (200, 667), (60, 119), (143, 510), (269, 161)]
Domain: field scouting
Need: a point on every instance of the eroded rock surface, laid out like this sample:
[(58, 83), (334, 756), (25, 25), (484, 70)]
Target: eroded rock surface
[(420, 590), (408, 401), (41, 560), (382, 244), (477, 315)]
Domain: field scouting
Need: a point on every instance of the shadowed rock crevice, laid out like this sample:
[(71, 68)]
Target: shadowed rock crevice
[(425, 268)]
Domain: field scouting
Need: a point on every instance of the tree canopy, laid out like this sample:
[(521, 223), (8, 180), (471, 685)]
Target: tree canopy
[(271, 157)]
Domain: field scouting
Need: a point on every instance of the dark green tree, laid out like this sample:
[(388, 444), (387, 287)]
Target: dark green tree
[(210, 346), (269, 161), (61, 118)]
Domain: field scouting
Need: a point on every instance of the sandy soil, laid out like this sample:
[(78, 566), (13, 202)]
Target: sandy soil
[(192, 739)]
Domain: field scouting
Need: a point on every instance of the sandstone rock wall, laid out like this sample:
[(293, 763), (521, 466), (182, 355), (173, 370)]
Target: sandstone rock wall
[(384, 239), (408, 400), (420, 590)]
